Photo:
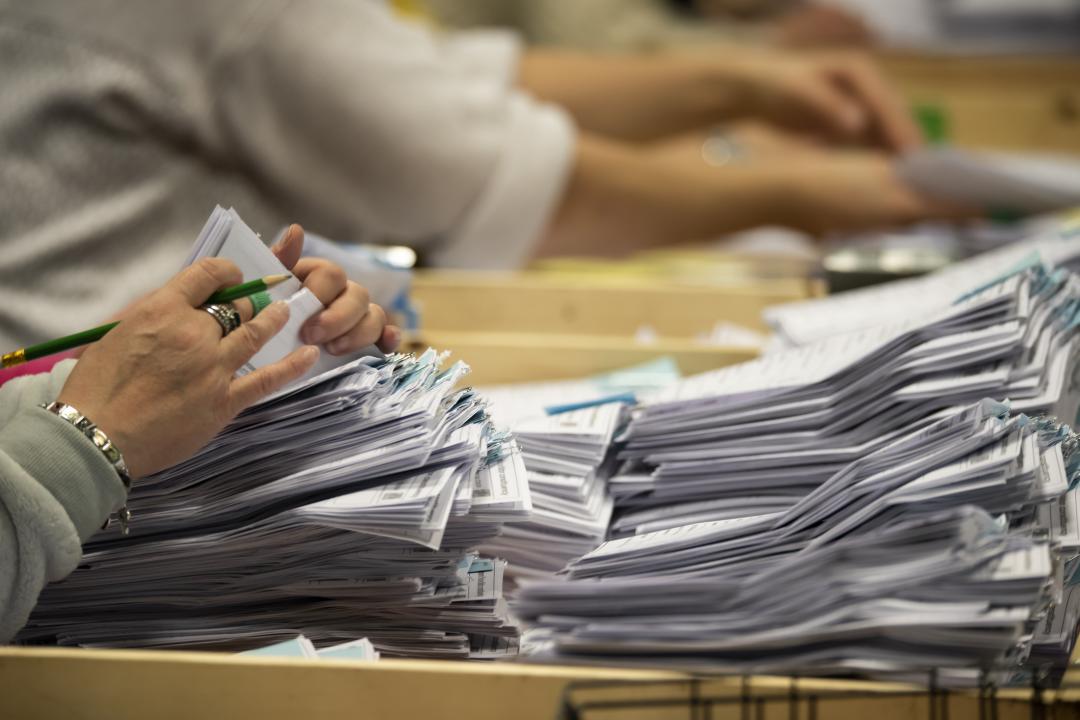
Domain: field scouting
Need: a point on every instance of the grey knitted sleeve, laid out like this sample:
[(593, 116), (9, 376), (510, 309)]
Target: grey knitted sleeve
[(56, 489)]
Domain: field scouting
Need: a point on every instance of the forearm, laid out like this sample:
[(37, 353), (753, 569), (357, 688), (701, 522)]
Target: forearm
[(621, 199), (56, 489), (637, 98)]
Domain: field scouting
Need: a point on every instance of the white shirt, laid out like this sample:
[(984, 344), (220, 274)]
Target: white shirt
[(124, 122)]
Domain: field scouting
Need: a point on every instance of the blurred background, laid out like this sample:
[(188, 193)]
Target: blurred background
[(594, 180)]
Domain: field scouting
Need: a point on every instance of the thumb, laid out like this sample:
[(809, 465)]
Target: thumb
[(831, 108), (291, 245)]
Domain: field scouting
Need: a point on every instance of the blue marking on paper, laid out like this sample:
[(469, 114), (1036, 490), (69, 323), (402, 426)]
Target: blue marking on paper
[(1032, 259), (628, 398), (652, 375), (287, 648), (481, 565)]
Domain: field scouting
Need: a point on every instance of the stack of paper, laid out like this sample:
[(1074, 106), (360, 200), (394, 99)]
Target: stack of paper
[(850, 504), (896, 563), (804, 322), (564, 455), (785, 423), (348, 505), (345, 508)]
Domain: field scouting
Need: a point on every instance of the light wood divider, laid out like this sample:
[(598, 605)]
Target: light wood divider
[(497, 358), (75, 684), (1014, 103), (529, 326), (591, 305)]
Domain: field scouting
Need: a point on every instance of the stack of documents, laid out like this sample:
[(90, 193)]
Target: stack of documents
[(902, 560), (564, 456), (349, 505), (784, 424), (346, 508), (849, 505), (804, 322)]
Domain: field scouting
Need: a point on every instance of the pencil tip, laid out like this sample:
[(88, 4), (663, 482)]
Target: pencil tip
[(272, 280)]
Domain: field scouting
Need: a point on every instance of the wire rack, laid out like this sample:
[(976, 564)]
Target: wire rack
[(729, 697)]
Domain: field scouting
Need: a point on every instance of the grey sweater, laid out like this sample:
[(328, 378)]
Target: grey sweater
[(123, 122), (56, 490)]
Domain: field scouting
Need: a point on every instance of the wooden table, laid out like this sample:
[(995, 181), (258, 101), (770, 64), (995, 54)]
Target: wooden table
[(73, 684), (519, 327), (1015, 103)]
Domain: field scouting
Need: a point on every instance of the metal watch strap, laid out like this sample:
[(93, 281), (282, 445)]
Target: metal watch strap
[(101, 441)]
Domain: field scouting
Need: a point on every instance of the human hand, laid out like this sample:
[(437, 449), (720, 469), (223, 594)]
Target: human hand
[(813, 25), (350, 321), (743, 142), (161, 383), (855, 191), (839, 96)]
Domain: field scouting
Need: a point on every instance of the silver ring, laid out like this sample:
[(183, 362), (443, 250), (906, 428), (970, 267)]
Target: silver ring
[(226, 315)]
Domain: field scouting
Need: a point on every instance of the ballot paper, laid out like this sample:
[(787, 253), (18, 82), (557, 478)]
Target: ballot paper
[(803, 322), (348, 506), (1029, 183), (226, 235), (526, 401), (565, 456), (858, 504)]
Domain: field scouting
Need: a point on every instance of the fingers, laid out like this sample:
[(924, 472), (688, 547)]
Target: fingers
[(291, 245), (926, 208), (340, 317), (200, 279), (322, 277), (840, 114), (241, 344), (245, 308), (886, 111), (253, 387), (390, 340), (368, 331)]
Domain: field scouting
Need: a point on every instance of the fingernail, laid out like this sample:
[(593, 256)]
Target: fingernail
[(315, 335), (309, 354), (393, 337), (279, 307)]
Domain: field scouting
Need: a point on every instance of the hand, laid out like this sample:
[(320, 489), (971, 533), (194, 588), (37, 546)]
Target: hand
[(855, 191), (838, 96), (350, 321), (812, 188), (747, 142), (820, 25), (161, 384)]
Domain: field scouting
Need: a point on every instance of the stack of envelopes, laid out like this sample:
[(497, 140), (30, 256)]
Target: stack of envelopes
[(346, 507), (850, 505), (758, 437), (807, 321), (564, 455)]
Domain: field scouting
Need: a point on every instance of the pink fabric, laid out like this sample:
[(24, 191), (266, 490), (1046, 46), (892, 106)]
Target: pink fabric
[(41, 365)]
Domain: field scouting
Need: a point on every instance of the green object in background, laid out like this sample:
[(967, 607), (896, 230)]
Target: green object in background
[(934, 123), (1005, 216)]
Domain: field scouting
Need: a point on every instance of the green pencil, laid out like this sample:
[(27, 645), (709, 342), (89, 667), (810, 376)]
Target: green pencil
[(68, 342)]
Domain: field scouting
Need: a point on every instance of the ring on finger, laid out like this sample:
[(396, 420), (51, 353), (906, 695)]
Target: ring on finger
[(225, 314)]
